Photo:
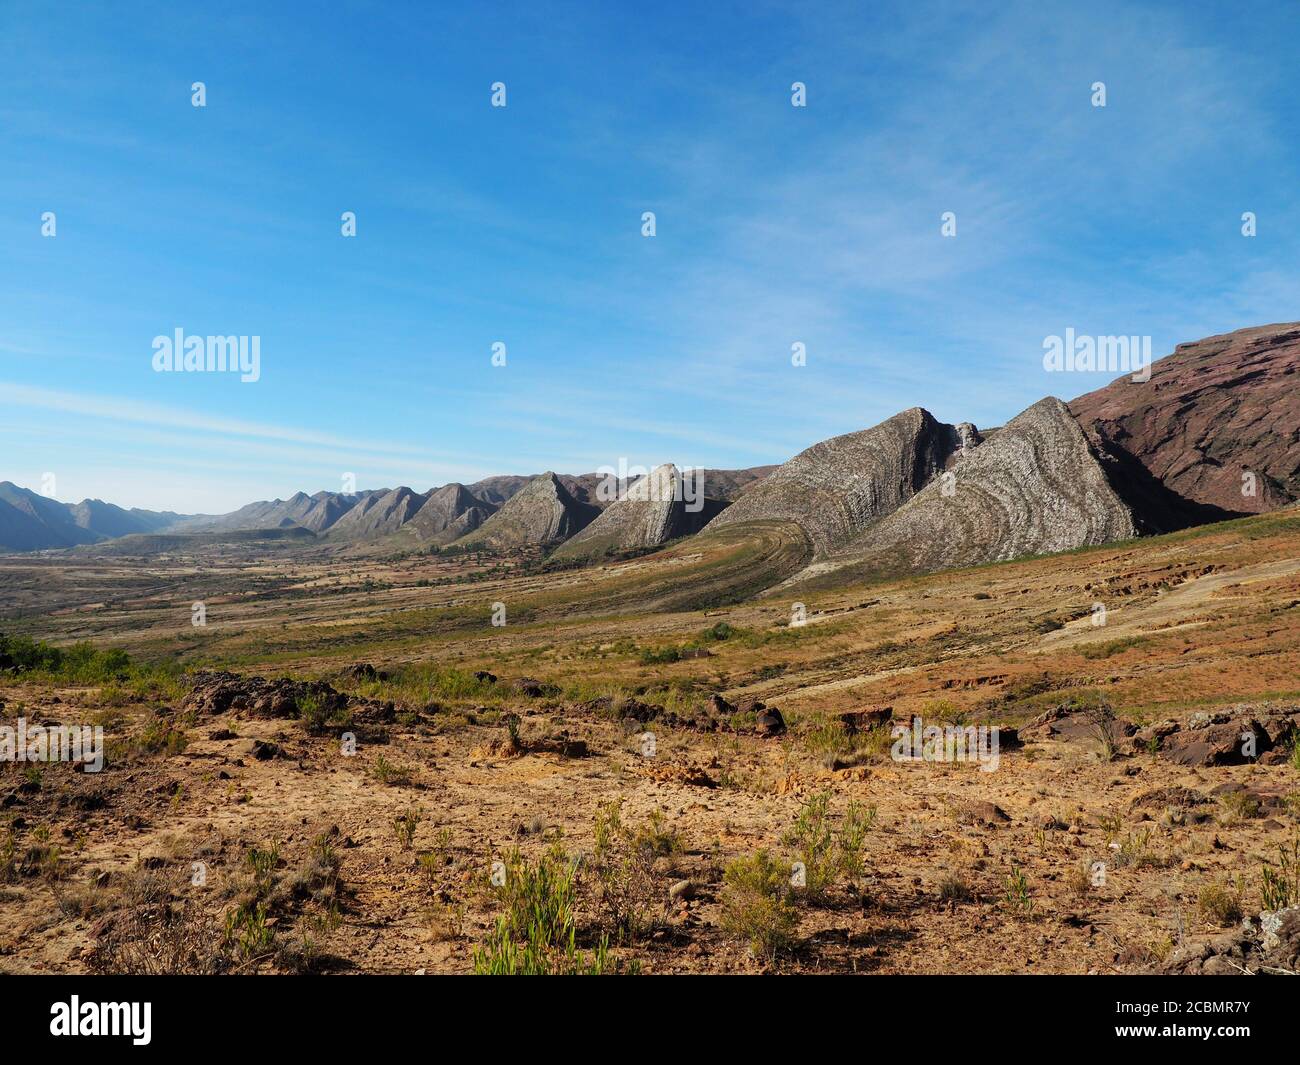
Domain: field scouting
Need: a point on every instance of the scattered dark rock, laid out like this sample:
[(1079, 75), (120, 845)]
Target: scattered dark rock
[(364, 671), (86, 801), (1217, 743), (981, 812), (1269, 943), (485, 676), (562, 744), (264, 750), (855, 721), (770, 722), (533, 688), (644, 713), (1008, 737), (1160, 798), (1144, 738), (215, 693), (719, 705), (1069, 722)]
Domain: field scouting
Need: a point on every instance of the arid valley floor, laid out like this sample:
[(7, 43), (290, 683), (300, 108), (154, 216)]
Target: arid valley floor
[(1084, 851)]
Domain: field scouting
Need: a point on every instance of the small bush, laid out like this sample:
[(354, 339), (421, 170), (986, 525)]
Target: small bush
[(1104, 728), (952, 888), (1017, 893), (389, 774), (1079, 879), (1237, 806), (81, 663), (404, 826), (660, 656), (1280, 887), (623, 864), (536, 934), (1219, 905), (721, 631), (826, 853), (756, 905), (1094, 651)]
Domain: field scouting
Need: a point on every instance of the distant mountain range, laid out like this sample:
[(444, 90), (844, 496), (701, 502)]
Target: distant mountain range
[(1214, 433), (30, 521)]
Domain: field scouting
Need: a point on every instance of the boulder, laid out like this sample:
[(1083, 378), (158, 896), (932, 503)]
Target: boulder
[(855, 721), (1217, 743)]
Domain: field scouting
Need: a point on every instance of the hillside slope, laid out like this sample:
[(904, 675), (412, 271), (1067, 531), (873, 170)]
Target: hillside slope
[(1037, 487), (837, 488), (1216, 415), (659, 507), (541, 513)]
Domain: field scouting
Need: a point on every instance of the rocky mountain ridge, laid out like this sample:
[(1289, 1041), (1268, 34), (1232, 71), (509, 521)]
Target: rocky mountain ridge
[(1213, 434)]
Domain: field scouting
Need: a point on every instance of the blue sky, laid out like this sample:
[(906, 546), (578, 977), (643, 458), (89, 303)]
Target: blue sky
[(522, 224)]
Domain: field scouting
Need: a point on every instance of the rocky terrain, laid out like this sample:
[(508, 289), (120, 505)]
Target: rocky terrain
[(1214, 433), (541, 513), (655, 509), (347, 766), (316, 513), (378, 514), (31, 522), (500, 488), (1036, 487), (447, 514), (720, 484), (838, 487)]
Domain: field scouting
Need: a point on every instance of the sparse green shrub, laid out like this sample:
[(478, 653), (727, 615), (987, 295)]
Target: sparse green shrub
[(1237, 806), (825, 852), (1104, 728), (263, 862), (1017, 893), (388, 773), (1219, 905), (623, 865), (1094, 651), (162, 736), (656, 837), (858, 822), (1280, 887), (248, 930), (404, 826), (1079, 879), (756, 905), (660, 656), (536, 935), (1135, 851)]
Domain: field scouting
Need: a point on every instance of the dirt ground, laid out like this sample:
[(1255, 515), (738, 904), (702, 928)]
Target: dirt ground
[(1066, 858)]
